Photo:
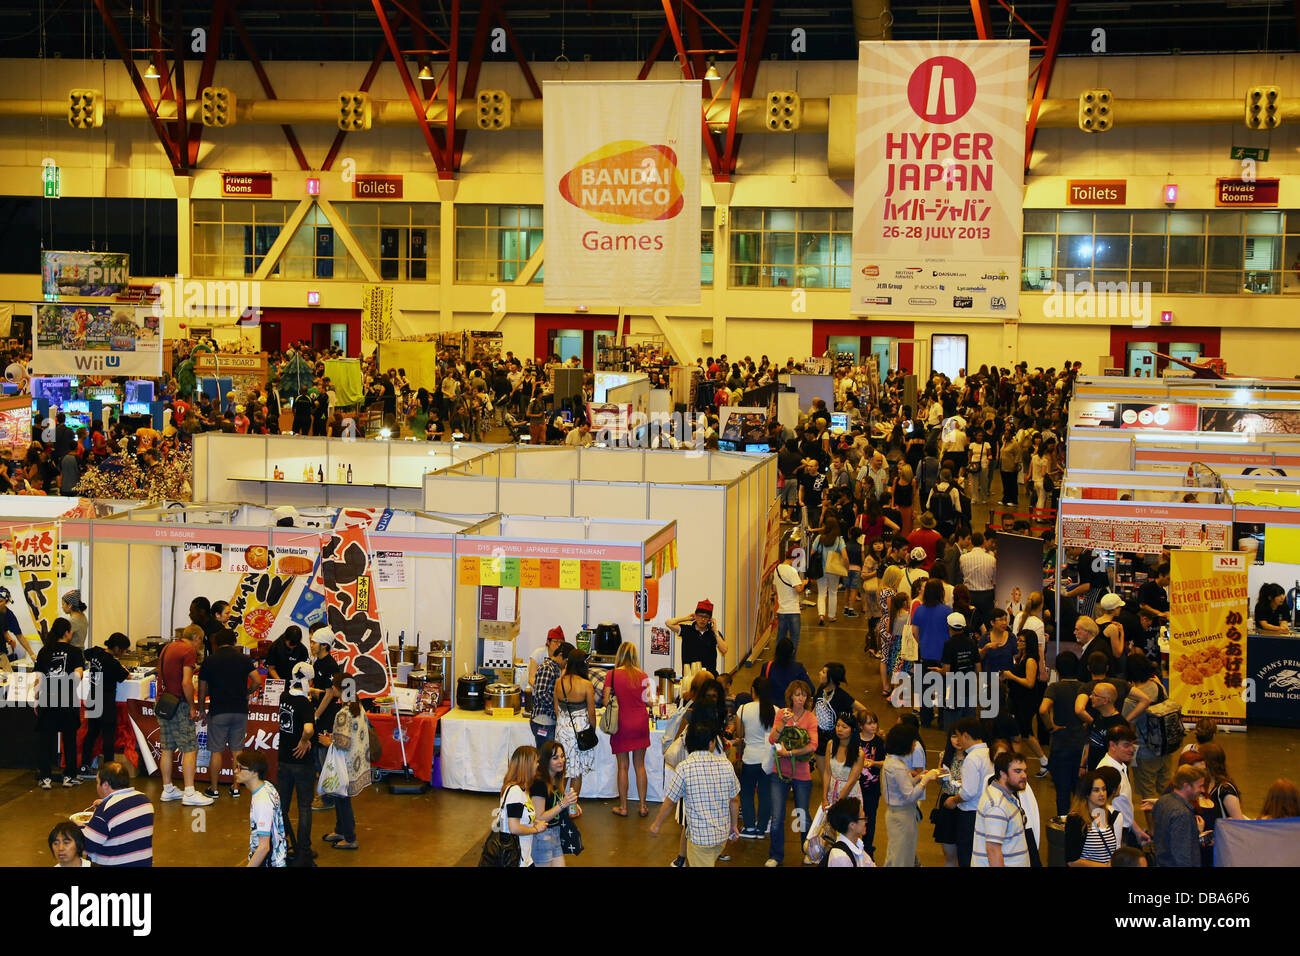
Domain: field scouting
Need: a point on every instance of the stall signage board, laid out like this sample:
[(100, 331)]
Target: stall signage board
[(35, 550), (1273, 695), (939, 177), (390, 569), (1144, 537), (371, 186), (226, 364), (564, 574), (246, 184), (1097, 192), (84, 273), (1208, 607), (1246, 192)]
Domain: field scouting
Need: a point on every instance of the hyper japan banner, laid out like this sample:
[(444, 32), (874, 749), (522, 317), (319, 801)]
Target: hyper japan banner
[(1208, 606), (352, 610), (937, 218), (622, 214), (96, 340)]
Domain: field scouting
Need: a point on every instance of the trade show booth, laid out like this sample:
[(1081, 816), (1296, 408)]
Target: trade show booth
[(723, 505), (319, 472)]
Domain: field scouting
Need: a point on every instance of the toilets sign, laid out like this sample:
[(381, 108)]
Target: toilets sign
[(938, 178)]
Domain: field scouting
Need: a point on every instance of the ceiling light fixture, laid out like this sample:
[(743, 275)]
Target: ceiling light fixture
[(426, 73), (712, 72), (151, 72)]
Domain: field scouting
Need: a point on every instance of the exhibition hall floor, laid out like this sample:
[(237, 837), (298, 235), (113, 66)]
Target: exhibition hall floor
[(447, 828)]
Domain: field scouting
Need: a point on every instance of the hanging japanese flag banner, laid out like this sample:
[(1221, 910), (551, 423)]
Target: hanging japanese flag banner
[(36, 553), (352, 611), (622, 215), (938, 187)]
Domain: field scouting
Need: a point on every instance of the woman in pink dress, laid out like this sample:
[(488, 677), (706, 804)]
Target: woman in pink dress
[(630, 685)]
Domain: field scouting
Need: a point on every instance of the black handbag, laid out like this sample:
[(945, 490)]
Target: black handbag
[(167, 703), (815, 564), (586, 738), (570, 836), (500, 849)]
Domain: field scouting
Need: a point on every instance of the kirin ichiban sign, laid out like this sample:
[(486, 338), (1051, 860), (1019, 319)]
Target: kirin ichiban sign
[(937, 212), (245, 184), (1097, 192), (1246, 192), (377, 187), (622, 209)]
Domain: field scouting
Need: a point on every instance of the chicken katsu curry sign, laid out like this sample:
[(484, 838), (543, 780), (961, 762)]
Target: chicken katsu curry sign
[(622, 212), (1208, 607)]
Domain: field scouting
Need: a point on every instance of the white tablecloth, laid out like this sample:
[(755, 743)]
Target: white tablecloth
[(476, 749)]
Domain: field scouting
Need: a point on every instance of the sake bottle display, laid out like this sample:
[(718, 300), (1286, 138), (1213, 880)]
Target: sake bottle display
[(320, 474), (349, 474), (306, 472)]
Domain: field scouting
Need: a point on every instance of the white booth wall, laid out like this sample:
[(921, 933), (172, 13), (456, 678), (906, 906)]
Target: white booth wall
[(384, 473), (719, 501)]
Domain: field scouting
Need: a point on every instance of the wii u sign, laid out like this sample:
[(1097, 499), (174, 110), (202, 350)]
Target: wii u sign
[(96, 363)]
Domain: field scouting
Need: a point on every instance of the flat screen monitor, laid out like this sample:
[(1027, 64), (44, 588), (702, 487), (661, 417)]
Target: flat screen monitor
[(726, 446), (567, 415), (136, 408), (56, 391), (764, 447), (138, 390), (840, 420)]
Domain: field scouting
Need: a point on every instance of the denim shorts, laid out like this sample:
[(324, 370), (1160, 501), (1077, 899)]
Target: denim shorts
[(854, 580), (546, 846), (227, 730)]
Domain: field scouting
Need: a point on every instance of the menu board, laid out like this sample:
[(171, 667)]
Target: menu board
[(1144, 537)]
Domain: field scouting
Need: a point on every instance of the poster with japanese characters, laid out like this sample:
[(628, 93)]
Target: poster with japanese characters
[(1208, 605), (35, 554), (939, 174)]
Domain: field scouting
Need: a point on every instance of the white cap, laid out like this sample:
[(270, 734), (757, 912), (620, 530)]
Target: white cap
[(1110, 601), (918, 554), (957, 621)]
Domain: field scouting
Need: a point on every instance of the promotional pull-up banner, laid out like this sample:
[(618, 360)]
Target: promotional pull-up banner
[(96, 340), (938, 181), (36, 553), (622, 213), (1208, 607)]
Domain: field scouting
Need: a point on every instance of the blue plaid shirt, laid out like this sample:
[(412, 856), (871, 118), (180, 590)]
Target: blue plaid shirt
[(544, 679)]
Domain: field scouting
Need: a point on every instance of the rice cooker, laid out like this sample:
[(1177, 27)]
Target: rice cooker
[(471, 691), (504, 697)]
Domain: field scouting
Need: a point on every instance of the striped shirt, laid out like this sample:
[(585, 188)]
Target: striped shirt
[(121, 831), (1000, 820), (705, 782), (979, 569), (1099, 843)]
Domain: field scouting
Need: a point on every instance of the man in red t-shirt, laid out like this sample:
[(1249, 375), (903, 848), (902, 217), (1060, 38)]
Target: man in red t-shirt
[(926, 538), (176, 669)]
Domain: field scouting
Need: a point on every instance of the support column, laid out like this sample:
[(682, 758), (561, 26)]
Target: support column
[(722, 193)]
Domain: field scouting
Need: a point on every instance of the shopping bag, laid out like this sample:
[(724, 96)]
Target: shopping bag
[(333, 775)]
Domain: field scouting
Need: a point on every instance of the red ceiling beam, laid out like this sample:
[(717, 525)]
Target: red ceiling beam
[(477, 52), (658, 48), (417, 101), (1045, 74), (182, 115), (364, 87), (983, 20), (522, 60), (691, 72), (266, 86), (453, 75), (752, 44), (178, 164), (208, 70)]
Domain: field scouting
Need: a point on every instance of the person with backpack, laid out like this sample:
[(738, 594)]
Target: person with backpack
[(927, 476), (945, 503), (848, 820), (1151, 773)]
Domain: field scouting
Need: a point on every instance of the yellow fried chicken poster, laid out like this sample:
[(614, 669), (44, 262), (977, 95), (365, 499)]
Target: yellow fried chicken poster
[(1208, 605)]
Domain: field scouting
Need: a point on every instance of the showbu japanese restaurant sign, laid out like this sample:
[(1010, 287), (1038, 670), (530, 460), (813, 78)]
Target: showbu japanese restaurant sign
[(622, 212), (937, 218)]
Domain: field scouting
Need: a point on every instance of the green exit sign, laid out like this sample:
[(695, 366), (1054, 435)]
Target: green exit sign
[(1257, 153), (53, 182)]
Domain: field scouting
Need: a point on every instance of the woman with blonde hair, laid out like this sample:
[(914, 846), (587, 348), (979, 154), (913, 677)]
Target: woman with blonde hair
[(903, 494), (516, 813), (630, 687)]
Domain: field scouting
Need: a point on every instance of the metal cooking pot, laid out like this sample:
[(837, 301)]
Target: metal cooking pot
[(471, 691), (504, 697)]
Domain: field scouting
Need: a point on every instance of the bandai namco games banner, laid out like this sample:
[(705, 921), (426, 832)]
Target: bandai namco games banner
[(937, 218), (622, 208), (1208, 606)]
